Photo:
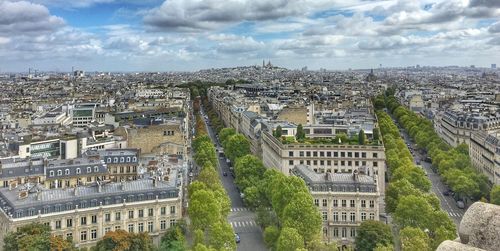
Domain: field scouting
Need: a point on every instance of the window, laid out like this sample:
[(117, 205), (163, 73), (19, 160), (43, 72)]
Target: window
[(290, 153), (363, 216), (335, 203), (107, 217), (344, 203), (372, 216), (128, 159), (349, 154), (172, 209), (163, 224), (342, 163), (150, 212), (89, 169), (315, 154), (342, 154), (117, 228), (325, 202), (353, 232), (115, 160), (290, 162), (83, 221), (172, 223), (93, 234), (58, 224), (335, 154), (69, 222), (118, 215), (322, 162), (363, 203), (325, 216), (301, 153), (107, 229), (122, 159), (375, 155), (131, 214), (335, 216), (308, 154), (141, 213), (163, 210), (130, 228), (328, 154), (344, 232), (69, 236), (78, 171), (356, 155), (96, 169), (335, 232), (150, 226), (353, 217), (51, 173), (94, 219), (363, 155), (66, 172), (372, 204), (375, 163), (108, 160), (141, 227), (344, 216), (353, 203), (322, 154), (83, 235)]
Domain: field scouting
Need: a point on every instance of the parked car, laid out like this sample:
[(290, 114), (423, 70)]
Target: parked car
[(237, 237), (460, 204), (224, 173), (447, 193)]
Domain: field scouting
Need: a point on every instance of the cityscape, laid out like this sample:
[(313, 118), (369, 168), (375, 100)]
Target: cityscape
[(185, 125)]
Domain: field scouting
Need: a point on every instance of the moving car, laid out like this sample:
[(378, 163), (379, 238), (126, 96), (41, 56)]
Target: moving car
[(460, 204), (237, 237)]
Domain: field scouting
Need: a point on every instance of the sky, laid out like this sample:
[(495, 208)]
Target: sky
[(187, 35)]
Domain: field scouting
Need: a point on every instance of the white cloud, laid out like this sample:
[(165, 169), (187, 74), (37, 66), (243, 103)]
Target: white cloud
[(27, 18)]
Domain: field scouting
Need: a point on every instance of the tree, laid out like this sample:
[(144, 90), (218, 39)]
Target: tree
[(204, 209), (225, 133), (413, 211), (57, 243), (237, 146), (300, 135), (495, 195), (123, 240), (414, 239), (381, 247), (397, 189), (209, 176), (289, 239), (271, 235), (371, 233), (34, 236), (249, 170), (376, 134), (361, 137), (202, 247), (284, 190), (302, 215), (414, 175), (173, 239), (278, 132), (222, 236)]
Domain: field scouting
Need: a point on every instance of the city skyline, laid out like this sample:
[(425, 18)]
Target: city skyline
[(175, 35)]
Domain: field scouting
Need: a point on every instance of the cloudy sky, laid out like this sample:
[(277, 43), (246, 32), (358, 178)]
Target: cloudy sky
[(178, 35)]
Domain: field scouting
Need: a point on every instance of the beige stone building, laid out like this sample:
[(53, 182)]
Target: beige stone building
[(344, 201), (484, 152), (168, 138), (86, 214), (324, 158)]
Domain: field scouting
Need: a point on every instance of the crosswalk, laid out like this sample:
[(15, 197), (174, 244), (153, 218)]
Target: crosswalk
[(453, 214), (239, 209), (242, 224)]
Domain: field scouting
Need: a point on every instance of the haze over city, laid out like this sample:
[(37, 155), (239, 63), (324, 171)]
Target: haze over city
[(185, 35)]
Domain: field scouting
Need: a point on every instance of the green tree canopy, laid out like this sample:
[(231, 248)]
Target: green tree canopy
[(302, 215), (300, 135), (495, 195), (225, 133), (289, 239), (414, 239), (34, 236), (237, 146), (204, 209), (361, 137), (278, 132), (371, 233)]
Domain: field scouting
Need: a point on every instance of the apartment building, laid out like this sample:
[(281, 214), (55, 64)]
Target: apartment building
[(86, 214), (122, 164), (344, 200), (484, 152), (324, 158)]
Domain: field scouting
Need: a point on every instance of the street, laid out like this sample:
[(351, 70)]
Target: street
[(448, 204), (241, 218)]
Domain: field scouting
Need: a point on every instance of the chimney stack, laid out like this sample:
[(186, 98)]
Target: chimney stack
[(355, 175)]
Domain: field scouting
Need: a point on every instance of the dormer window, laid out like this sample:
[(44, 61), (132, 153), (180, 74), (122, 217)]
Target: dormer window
[(51, 173), (128, 159), (96, 169), (109, 160), (89, 170), (66, 171), (78, 171), (116, 160), (122, 159), (134, 159)]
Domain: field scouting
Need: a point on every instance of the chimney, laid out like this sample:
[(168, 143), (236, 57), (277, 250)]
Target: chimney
[(355, 175), (38, 195), (99, 187)]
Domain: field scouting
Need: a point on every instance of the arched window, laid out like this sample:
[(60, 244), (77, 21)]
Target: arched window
[(134, 159), (109, 160), (51, 173), (116, 160), (128, 159), (78, 171), (66, 171), (89, 170), (122, 159), (96, 169)]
